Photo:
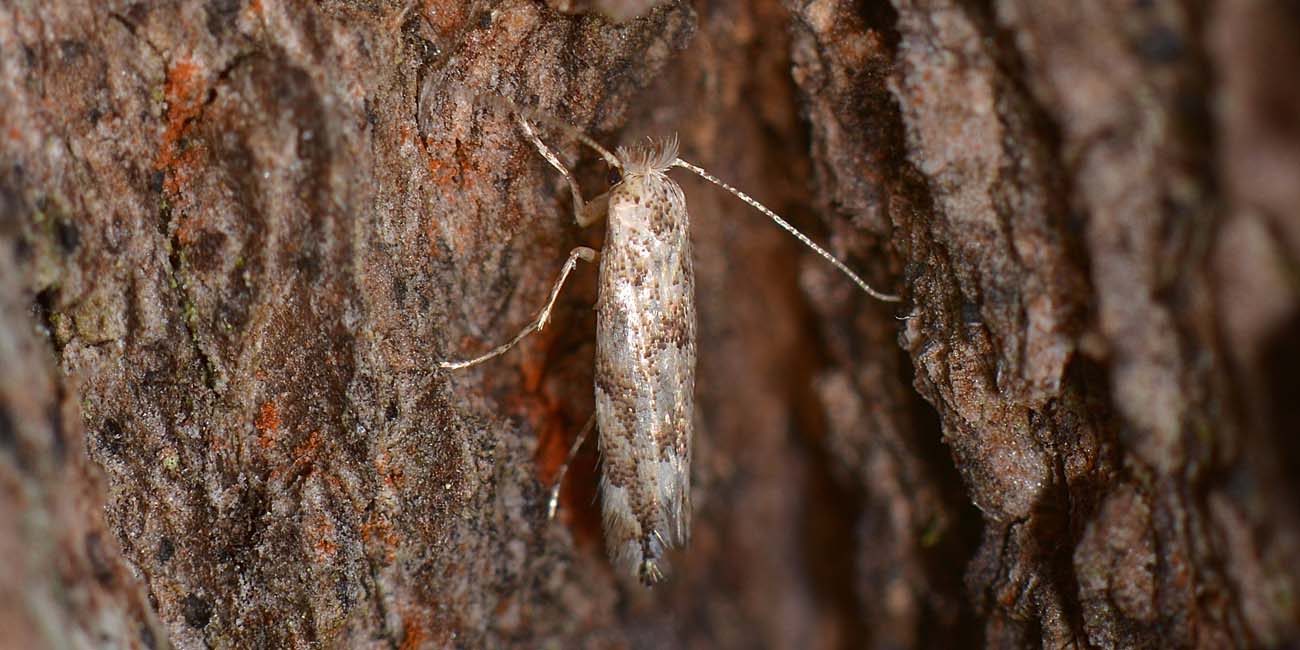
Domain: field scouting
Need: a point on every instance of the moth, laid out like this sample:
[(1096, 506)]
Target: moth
[(645, 343)]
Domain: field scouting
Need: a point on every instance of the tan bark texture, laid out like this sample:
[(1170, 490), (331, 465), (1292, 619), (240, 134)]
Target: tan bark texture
[(236, 237)]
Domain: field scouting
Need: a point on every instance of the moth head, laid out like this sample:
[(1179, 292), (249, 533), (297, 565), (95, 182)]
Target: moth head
[(653, 157)]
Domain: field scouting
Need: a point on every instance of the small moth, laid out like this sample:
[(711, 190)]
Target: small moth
[(645, 344)]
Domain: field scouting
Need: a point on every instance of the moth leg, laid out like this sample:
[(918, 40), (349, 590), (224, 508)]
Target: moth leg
[(583, 214), (581, 252), (554, 502), (595, 210)]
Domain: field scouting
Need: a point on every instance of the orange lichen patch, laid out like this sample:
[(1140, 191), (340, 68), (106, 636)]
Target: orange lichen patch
[(267, 424), (413, 634), (441, 173), (446, 17), (322, 532), (184, 91), (307, 450), (466, 162), (188, 228), (304, 455), (392, 476), (378, 529), (268, 417)]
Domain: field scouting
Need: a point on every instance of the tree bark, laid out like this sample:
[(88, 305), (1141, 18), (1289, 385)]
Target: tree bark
[(238, 235)]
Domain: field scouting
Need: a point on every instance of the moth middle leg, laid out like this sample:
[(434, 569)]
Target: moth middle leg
[(580, 253)]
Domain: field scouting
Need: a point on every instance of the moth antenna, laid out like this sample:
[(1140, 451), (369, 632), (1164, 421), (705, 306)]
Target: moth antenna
[(788, 228), (538, 116)]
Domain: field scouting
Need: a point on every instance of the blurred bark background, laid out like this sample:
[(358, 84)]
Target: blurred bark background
[(236, 236)]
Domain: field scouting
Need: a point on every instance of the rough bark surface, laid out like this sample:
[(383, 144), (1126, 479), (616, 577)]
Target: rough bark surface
[(237, 235)]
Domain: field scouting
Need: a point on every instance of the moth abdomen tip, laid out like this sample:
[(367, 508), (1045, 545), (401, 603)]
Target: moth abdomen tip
[(650, 573)]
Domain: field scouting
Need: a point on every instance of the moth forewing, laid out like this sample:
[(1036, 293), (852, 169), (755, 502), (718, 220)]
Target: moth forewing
[(645, 367)]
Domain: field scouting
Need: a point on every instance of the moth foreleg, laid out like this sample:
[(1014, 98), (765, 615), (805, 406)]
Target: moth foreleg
[(581, 214)]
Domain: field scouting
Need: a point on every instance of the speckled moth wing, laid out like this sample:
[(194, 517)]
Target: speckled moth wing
[(645, 372)]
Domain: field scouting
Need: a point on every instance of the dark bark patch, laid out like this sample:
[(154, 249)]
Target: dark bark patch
[(8, 434), (197, 611), (67, 235), (111, 437), (166, 549), (71, 51), (343, 591), (98, 556), (1283, 357), (205, 254), (147, 637), (399, 289), (1161, 45), (221, 15)]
